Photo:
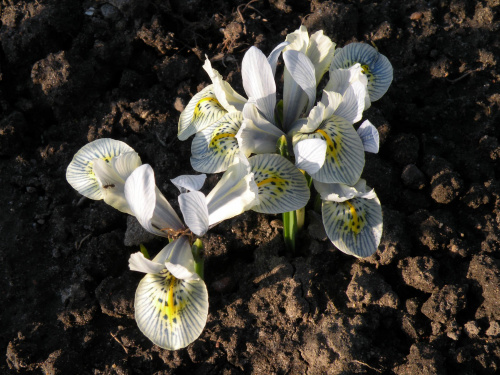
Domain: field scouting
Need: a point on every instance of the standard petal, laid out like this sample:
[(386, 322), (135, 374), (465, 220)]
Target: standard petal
[(214, 149), (275, 54), (320, 51), (369, 136), (235, 193), (258, 81), (195, 211), (299, 40), (353, 103), (126, 163), (171, 312), (345, 156), (310, 154), (179, 260), (303, 73), (137, 262), (202, 111), (354, 226), (281, 186), (148, 205), (80, 174), (227, 97), (375, 66), (187, 183)]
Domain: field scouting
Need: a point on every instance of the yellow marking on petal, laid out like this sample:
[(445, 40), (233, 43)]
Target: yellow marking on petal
[(198, 110), (270, 180), (169, 305), (355, 223), (332, 144), (170, 300), (219, 136)]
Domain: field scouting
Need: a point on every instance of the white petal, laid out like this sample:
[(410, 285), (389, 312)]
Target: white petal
[(112, 186), (202, 111), (299, 40), (281, 186), (341, 79), (235, 193), (320, 51), (294, 100), (337, 192), (354, 226), (80, 173), (274, 55), (147, 204), (258, 81), (179, 261), (126, 163), (353, 103), (195, 211), (369, 136), (310, 154), (302, 71), (137, 262), (187, 183), (171, 312), (227, 97)]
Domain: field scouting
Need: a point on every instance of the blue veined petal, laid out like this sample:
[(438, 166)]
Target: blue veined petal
[(369, 136), (195, 211), (80, 174), (171, 312), (214, 149), (375, 66), (281, 186), (202, 111), (354, 226), (273, 56), (345, 156)]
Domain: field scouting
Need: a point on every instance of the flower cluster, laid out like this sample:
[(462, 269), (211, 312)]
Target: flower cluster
[(319, 130)]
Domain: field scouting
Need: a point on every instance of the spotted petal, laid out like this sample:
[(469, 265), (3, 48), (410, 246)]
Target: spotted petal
[(202, 111), (213, 150), (354, 226), (375, 66), (171, 312), (80, 174), (369, 136), (345, 156), (281, 186)]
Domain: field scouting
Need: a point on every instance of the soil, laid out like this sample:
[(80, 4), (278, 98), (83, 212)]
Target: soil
[(427, 302)]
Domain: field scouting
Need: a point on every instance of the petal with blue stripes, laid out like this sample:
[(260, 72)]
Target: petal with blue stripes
[(369, 136), (281, 186), (171, 312), (213, 150), (80, 173), (375, 66), (202, 111), (354, 226), (345, 155)]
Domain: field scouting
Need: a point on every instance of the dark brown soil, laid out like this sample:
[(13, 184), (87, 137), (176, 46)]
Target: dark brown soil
[(428, 302)]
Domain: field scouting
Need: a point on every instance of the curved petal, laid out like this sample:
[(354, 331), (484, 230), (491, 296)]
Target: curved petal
[(341, 79), (214, 149), (179, 260), (310, 154), (126, 163), (147, 204), (112, 186), (345, 156), (341, 192), (354, 226), (275, 54), (195, 211), (258, 139), (353, 103), (320, 51), (227, 97), (281, 186), (258, 81), (137, 262), (369, 136), (303, 73), (171, 312), (187, 183), (375, 66), (299, 40), (235, 193), (202, 111), (80, 174)]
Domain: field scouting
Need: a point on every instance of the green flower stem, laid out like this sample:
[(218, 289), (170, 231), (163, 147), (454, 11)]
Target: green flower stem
[(300, 214), (199, 265), (290, 230)]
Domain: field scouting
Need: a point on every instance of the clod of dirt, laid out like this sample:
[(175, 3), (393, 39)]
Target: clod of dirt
[(405, 148), (476, 196), (423, 359), (413, 177), (115, 295), (420, 272), (485, 272), (338, 21), (51, 74), (433, 230), (173, 70), (445, 303), (136, 234), (446, 184)]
